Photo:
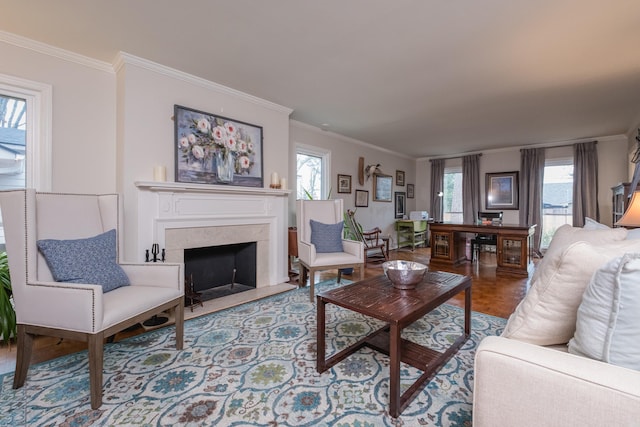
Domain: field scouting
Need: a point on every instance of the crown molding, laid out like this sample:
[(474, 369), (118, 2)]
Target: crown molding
[(55, 52), (123, 58), (305, 126)]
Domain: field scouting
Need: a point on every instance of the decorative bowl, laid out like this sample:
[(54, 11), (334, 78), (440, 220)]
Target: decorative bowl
[(404, 274)]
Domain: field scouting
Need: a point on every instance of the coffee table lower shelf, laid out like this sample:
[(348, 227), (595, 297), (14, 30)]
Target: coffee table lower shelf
[(427, 360)]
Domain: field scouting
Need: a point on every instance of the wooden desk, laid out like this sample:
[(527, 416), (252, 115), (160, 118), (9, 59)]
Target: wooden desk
[(514, 251)]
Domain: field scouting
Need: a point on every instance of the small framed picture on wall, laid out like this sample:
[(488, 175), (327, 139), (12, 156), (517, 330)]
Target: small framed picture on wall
[(362, 198), (410, 191), (400, 178), (344, 183)]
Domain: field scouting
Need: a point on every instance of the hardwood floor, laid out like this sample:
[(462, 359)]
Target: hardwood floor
[(497, 296)]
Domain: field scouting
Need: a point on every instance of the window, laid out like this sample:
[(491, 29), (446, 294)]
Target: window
[(557, 197), (312, 173), (452, 197), (25, 135)]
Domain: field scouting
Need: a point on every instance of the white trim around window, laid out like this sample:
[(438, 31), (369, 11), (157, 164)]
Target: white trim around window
[(39, 127)]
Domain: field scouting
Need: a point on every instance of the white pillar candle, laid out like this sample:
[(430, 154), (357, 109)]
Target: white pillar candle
[(283, 183), (275, 180), (159, 173)]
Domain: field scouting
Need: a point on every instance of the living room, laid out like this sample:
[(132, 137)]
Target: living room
[(107, 124)]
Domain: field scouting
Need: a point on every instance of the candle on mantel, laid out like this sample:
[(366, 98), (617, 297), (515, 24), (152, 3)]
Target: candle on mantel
[(275, 180), (283, 183), (159, 173)]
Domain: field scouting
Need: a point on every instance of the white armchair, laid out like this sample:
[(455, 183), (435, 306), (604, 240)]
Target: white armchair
[(326, 212), (78, 311)]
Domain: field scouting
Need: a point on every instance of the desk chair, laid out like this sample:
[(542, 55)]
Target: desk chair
[(482, 239)]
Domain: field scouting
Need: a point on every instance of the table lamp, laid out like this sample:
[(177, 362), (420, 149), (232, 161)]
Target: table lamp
[(631, 217)]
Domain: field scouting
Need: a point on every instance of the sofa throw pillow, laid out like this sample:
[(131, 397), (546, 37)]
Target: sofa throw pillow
[(566, 235), (91, 261), (547, 314), (608, 324), (633, 234), (592, 224), (326, 237)]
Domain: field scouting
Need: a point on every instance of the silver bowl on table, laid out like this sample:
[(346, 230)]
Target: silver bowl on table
[(404, 274)]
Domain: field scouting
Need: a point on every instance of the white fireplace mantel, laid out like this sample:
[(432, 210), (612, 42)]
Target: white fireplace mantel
[(173, 206)]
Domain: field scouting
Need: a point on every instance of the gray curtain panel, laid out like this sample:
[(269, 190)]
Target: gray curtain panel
[(530, 200), (437, 185), (585, 183), (470, 188)]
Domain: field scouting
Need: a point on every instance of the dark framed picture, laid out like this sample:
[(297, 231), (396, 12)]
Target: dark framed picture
[(362, 198), (212, 149), (400, 204), (344, 183), (400, 178), (410, 191), (502, 190), (382, 185)]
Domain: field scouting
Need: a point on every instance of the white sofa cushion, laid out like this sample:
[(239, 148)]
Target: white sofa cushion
[(608, 323), (547, 314), (592, 224)]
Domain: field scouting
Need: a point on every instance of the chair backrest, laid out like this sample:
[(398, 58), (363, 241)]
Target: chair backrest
[(325, 211), (371, 238), (29, 216)]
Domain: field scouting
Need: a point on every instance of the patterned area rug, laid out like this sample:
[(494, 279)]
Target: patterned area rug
[(252, 365)]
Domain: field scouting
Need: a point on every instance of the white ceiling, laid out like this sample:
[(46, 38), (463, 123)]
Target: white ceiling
[(423, 77)]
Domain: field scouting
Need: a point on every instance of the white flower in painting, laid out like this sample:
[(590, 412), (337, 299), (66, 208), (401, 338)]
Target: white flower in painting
[(183, 142), (203, 125), (244, 162), (242, 146), (250, 147), (218, 133), (231, 143), (230, 127), (198, 152), (192, 138)]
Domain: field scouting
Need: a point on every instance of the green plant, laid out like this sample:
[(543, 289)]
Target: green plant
[(352, 228), (7, 312)]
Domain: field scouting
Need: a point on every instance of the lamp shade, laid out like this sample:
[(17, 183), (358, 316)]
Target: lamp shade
[(631, 217)]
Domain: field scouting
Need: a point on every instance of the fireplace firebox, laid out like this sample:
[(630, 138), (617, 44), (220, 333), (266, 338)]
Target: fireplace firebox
[(222, 270)]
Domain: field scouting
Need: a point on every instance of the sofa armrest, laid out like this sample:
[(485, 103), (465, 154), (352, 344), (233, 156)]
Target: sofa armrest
[(523, 384), (160, 274), (354, 248)]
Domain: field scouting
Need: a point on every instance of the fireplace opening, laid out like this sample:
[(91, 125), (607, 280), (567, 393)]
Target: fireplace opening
[(217, 271)]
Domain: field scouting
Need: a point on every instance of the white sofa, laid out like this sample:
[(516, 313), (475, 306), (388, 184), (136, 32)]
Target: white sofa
[(522, 384), (527, 377)]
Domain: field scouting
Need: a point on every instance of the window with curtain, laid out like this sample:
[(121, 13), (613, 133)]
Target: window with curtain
[(557, 196), (452, 197)]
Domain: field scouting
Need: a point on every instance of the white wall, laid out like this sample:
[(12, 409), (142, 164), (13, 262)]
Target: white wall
[(612, 169), (344, 160), (83, 129), (147, 93)]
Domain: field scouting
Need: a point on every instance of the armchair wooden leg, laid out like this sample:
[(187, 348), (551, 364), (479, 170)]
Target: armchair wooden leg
[(96, 354), (312, 275), (179, 316), (23, 356)]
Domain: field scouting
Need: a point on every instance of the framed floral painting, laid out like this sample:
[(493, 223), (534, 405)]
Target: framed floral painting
[(212, 149)]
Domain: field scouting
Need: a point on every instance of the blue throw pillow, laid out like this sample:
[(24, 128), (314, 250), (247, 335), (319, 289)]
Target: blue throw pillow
[(326, 237), (91, 261)]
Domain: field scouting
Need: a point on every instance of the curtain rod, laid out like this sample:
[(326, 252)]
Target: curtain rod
[(455, 157), (557, 146)]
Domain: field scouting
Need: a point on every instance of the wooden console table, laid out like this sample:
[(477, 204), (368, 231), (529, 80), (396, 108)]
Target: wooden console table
[(514, 251)]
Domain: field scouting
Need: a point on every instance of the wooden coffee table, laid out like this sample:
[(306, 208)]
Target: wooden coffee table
[(377, 298)]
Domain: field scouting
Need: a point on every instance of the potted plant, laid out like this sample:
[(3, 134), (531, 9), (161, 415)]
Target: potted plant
[(352, 230), (7, 312)]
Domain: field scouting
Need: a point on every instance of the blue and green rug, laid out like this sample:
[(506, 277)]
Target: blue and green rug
[(252, 365)]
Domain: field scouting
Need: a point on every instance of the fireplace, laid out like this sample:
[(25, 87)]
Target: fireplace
[(181, 217), (217, 271)]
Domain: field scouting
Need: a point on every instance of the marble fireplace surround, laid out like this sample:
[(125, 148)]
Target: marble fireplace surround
[(178, 216)]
